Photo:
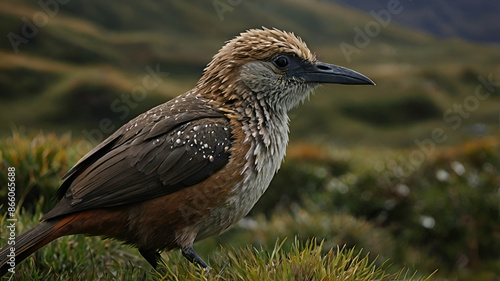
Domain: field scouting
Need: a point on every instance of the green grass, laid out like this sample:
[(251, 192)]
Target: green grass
[(346, 198), (77, 257)]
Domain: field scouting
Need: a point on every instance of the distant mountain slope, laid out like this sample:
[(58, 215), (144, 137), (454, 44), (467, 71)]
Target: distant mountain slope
[(77, 63), (477, 20)]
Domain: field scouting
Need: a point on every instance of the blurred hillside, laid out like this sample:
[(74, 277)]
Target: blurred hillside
[(471, 20), (79, 62)]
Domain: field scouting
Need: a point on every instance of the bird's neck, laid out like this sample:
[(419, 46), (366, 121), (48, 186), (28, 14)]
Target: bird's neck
[(265, 126)]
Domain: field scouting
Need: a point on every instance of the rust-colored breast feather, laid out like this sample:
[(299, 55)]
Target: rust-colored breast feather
[(177, 217)]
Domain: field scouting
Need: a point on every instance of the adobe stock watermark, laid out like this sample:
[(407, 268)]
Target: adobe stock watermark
[(126, 102), (223, 6), (31, 27), (372, 29), (11, 218), (453, 117)]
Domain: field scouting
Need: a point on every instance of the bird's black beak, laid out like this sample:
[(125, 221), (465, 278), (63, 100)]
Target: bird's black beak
[(320, 72)]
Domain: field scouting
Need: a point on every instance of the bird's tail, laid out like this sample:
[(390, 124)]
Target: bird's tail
[(27, 243)]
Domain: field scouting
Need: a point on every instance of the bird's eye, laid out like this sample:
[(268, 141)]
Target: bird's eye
[(281, 61)]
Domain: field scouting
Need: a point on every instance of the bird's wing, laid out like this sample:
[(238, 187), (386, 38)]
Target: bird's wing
[(171, 147)]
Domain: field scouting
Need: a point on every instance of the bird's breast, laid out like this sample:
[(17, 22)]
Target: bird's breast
[(258, 160)]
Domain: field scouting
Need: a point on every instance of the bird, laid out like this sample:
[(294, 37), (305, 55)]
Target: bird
[(192, 167)]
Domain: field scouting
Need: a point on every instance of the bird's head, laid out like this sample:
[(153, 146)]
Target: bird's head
[(271, 66)]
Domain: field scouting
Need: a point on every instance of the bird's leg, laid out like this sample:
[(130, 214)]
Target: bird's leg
[(152, 256), (189, 253)]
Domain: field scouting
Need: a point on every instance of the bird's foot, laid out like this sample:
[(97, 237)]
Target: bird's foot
[(192, 256), (152, 256)]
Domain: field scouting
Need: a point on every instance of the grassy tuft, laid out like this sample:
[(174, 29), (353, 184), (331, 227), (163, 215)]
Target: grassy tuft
[(77, 257), (442, 216), (304, 261), (40, 160)]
